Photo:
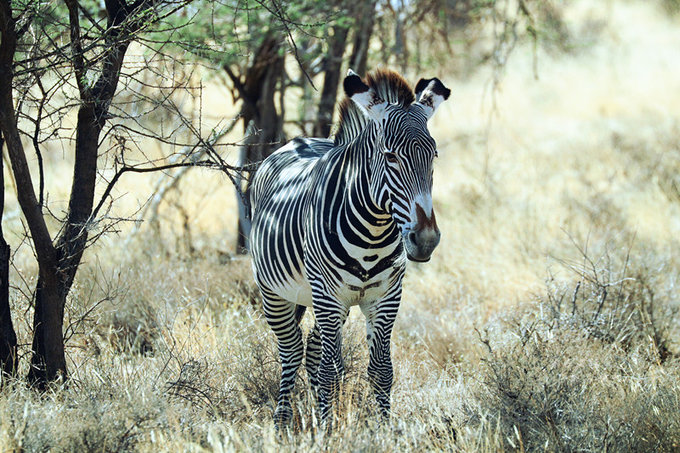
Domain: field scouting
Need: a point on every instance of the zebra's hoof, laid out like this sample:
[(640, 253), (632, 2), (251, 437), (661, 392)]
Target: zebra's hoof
[(283, 415)]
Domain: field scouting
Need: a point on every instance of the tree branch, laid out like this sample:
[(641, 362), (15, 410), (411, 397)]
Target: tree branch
[(22, 175), (138, 169), (285, 21), (77, 49), (36, 144)]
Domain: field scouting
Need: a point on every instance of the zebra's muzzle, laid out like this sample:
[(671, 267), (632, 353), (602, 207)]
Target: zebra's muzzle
[(421, 240), (412, 258), (420, 243)]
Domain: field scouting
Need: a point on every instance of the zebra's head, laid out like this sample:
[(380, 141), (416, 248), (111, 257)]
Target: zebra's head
[(404, 162)]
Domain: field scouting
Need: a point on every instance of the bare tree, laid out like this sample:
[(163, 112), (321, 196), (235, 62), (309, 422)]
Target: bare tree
[(92, 61), (260, 82), (86, 72)]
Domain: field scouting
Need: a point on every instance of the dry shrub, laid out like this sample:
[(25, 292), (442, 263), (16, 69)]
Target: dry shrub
[(196, 384), (86, 418), (560, 390), (621, 299), (653, 157), (131, 329), (152, 295), (253, 368), (591, 367), (242, 384)]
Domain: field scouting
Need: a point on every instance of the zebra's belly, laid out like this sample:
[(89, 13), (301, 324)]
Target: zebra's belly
[(350, 291), (276, 277), (297, 291)]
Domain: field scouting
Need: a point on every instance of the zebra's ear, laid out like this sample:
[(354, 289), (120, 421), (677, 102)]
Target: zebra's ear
[(430, 93), (364, 96)]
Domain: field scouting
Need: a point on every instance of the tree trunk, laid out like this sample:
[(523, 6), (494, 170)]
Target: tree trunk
[(258, 92), (331, 80), (45, 252), (58, 261), (400, 44), (362, 37), (48, 361), (8, 337), (49, 309)]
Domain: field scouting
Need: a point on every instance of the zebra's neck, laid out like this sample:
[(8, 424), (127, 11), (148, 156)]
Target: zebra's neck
[(365, 185)]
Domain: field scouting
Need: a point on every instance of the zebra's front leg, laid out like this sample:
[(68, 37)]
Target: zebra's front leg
[(313, 357), (281, 317), (330, 316), (380, 318)]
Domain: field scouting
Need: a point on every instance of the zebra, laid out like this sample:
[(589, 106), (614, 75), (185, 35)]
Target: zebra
[(333, 224)]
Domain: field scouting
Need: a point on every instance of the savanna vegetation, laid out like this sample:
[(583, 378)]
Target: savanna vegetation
[(547, 319)]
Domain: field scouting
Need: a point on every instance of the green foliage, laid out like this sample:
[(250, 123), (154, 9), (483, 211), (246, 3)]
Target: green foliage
[(227, 32)]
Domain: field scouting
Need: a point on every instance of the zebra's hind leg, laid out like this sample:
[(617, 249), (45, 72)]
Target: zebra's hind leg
[(283, 318)]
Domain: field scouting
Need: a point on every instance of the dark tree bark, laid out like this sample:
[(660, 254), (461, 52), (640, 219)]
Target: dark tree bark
[(400, 44), (258, 92), (362, 37), (45, 252), (8, 338), (260, 89), (331, 80)]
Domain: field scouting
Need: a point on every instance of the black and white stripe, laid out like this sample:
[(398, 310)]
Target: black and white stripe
[(333, 224)]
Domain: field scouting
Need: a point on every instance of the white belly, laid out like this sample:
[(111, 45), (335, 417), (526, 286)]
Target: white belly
[(352, 292), (298, 291)]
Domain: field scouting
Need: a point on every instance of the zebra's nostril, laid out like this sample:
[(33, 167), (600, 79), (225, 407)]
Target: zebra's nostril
[(412, 237)]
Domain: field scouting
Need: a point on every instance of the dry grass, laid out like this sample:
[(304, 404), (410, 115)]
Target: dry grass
[(547, 319)]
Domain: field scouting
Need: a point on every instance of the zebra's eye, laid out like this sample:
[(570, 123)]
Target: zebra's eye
[(391, 158)]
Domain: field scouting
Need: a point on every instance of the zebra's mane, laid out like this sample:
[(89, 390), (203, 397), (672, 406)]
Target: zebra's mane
[(389, 85)]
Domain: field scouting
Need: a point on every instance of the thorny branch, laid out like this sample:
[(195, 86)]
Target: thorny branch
[(284, 20), (228, 169)]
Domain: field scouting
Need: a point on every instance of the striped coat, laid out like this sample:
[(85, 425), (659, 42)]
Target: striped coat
[(333, 223)]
